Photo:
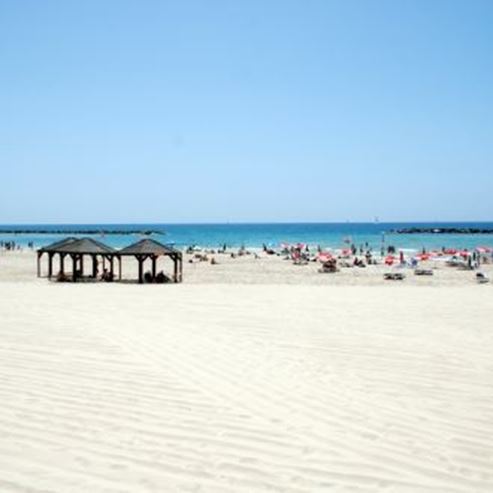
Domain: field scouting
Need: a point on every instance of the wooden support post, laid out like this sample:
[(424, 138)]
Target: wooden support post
[(81, 262), (39, 264), (112, 267), (62, 263), (94, 266), (119, 268), (141, 269), (154, 267), (175, 269), (74, 268), (50, 265)]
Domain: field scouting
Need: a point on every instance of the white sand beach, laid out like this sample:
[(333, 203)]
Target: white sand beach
[(234, 386), (246, 247)]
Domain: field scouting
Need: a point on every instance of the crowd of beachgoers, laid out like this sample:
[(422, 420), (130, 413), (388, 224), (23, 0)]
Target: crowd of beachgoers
[(397, 262), (11, 246)]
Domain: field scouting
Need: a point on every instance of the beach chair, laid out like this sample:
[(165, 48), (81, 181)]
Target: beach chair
[(394, 276), (423, 272), (482, 278)]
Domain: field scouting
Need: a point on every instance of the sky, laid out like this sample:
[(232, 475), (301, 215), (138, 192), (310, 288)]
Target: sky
[(247, 111)]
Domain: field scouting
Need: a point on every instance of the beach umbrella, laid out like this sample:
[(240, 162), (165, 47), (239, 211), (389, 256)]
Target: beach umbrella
[(389, 259), (423, 256), (484, 249), (450, 251)]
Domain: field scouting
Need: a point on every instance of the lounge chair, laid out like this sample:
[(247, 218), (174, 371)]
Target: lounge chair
[(394, 276), (482, 278), (423, 272)]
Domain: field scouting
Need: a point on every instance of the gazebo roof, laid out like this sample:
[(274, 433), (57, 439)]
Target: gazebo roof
[(82, 245), (148, 247), (55, 246), (88, 245)]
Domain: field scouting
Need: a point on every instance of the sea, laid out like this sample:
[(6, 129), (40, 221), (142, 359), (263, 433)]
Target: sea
[(325, 235)]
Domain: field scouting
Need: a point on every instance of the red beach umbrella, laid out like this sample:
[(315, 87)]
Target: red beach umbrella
[(389, 259)]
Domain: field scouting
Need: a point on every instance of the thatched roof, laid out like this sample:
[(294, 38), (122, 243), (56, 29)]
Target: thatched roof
[(82, 245), (148, 247), (54, 247)]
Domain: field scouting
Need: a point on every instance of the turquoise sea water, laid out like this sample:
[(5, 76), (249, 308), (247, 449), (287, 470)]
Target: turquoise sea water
[(328, 235)]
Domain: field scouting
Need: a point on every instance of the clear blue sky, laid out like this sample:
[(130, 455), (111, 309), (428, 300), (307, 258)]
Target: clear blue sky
[(211, 111)]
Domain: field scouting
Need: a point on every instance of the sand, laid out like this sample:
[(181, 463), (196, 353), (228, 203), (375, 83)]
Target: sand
[(229, 386)]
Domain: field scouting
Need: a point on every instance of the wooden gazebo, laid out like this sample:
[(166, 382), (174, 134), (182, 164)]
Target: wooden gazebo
[(152, 249), (76, 249)]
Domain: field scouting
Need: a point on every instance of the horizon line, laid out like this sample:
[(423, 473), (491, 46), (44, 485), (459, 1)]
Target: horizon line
[(228, 223)]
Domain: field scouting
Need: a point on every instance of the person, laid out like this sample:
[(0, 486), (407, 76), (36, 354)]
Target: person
[(61, 277), (329, 265), (161, 277)]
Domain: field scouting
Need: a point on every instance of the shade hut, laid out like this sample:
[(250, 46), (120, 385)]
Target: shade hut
[(76, 249), (51, 250), (152, 249)]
